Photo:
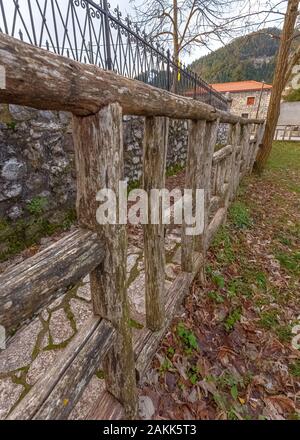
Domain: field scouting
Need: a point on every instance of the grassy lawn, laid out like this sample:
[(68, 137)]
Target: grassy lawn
[(229, 355)]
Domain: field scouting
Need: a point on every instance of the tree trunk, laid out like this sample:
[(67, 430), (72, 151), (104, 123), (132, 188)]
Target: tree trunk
[(279, 83), (175, 45)]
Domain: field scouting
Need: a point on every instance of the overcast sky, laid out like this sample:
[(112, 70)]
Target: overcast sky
[(126, 7), (50, 37)]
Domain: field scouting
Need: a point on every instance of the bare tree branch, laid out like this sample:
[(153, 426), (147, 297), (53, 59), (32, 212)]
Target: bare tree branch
[(192, 23)]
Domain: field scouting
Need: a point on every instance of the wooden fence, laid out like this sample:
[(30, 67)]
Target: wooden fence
[(287, 133), (98, 101)]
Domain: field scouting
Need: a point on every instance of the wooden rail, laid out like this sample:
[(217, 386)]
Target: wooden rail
[(98, 101), (287, 133), (55, 395), (58, 83), (31, 285)]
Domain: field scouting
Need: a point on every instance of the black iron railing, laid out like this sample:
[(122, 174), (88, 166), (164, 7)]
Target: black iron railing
[(93, 33)]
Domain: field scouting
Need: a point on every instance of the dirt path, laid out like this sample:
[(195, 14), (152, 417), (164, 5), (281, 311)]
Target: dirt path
[(232, 350)]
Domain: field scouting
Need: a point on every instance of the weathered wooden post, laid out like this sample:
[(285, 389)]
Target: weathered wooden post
[(242, 149), (235, 142), (193, 180), (220, 178), (210, 140), (155, 159), (259, 138), (202, 141), (246, 147), (99, 161)]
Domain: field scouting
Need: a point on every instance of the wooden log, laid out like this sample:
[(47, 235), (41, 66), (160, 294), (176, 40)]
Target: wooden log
[(155, 161), (213, 180), (259, 137), (214, 225), (221, 173), (220, 165), (215, 204), (106, 408), (244, 138), (205, 178), (193, 181), (238, 157), (32, 284), (250, 152), (222, 154), (98, 143), (40, 79), (72, 383), (228, 164), (246, 149), (235, 142), (40, 392), (225, 191)]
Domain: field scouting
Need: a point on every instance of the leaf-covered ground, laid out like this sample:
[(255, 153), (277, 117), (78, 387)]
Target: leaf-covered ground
[(231, 352)]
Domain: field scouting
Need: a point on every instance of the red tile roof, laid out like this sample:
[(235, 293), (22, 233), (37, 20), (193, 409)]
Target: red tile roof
[(240, 86)]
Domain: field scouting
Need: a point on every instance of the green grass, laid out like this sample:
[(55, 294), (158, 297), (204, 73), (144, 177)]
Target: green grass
[(239, 287), (37, 205), (232, 319), (284, 333), (295, 369), (174, 170), (187, 337), (239, 215), (166, 365), (11, 125), (135, 184), (216, 297), (285, 155), (222, 245), (293, 187), (290, 262), (24, 233), (194, 374), (218, 280), (136, 325), (269, 319)]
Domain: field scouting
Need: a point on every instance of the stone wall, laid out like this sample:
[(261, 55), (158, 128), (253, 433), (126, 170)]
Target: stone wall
[(36, 161), (37, 171), (133, 146)]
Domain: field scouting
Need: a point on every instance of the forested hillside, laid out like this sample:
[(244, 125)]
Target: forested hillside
[(247, 58)]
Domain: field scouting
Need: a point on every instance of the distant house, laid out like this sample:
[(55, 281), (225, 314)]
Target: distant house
[(250, 99)]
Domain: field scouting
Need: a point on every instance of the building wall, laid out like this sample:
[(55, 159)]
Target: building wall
[(239, 104), (289, 113)]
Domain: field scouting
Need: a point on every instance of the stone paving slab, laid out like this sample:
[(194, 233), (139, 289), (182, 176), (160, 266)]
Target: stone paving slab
[(36, 347)]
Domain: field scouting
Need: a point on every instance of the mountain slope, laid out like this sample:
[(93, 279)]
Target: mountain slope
[(246, 58)]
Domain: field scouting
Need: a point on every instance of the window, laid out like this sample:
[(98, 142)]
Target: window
[(250, 100), (245, 115)]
